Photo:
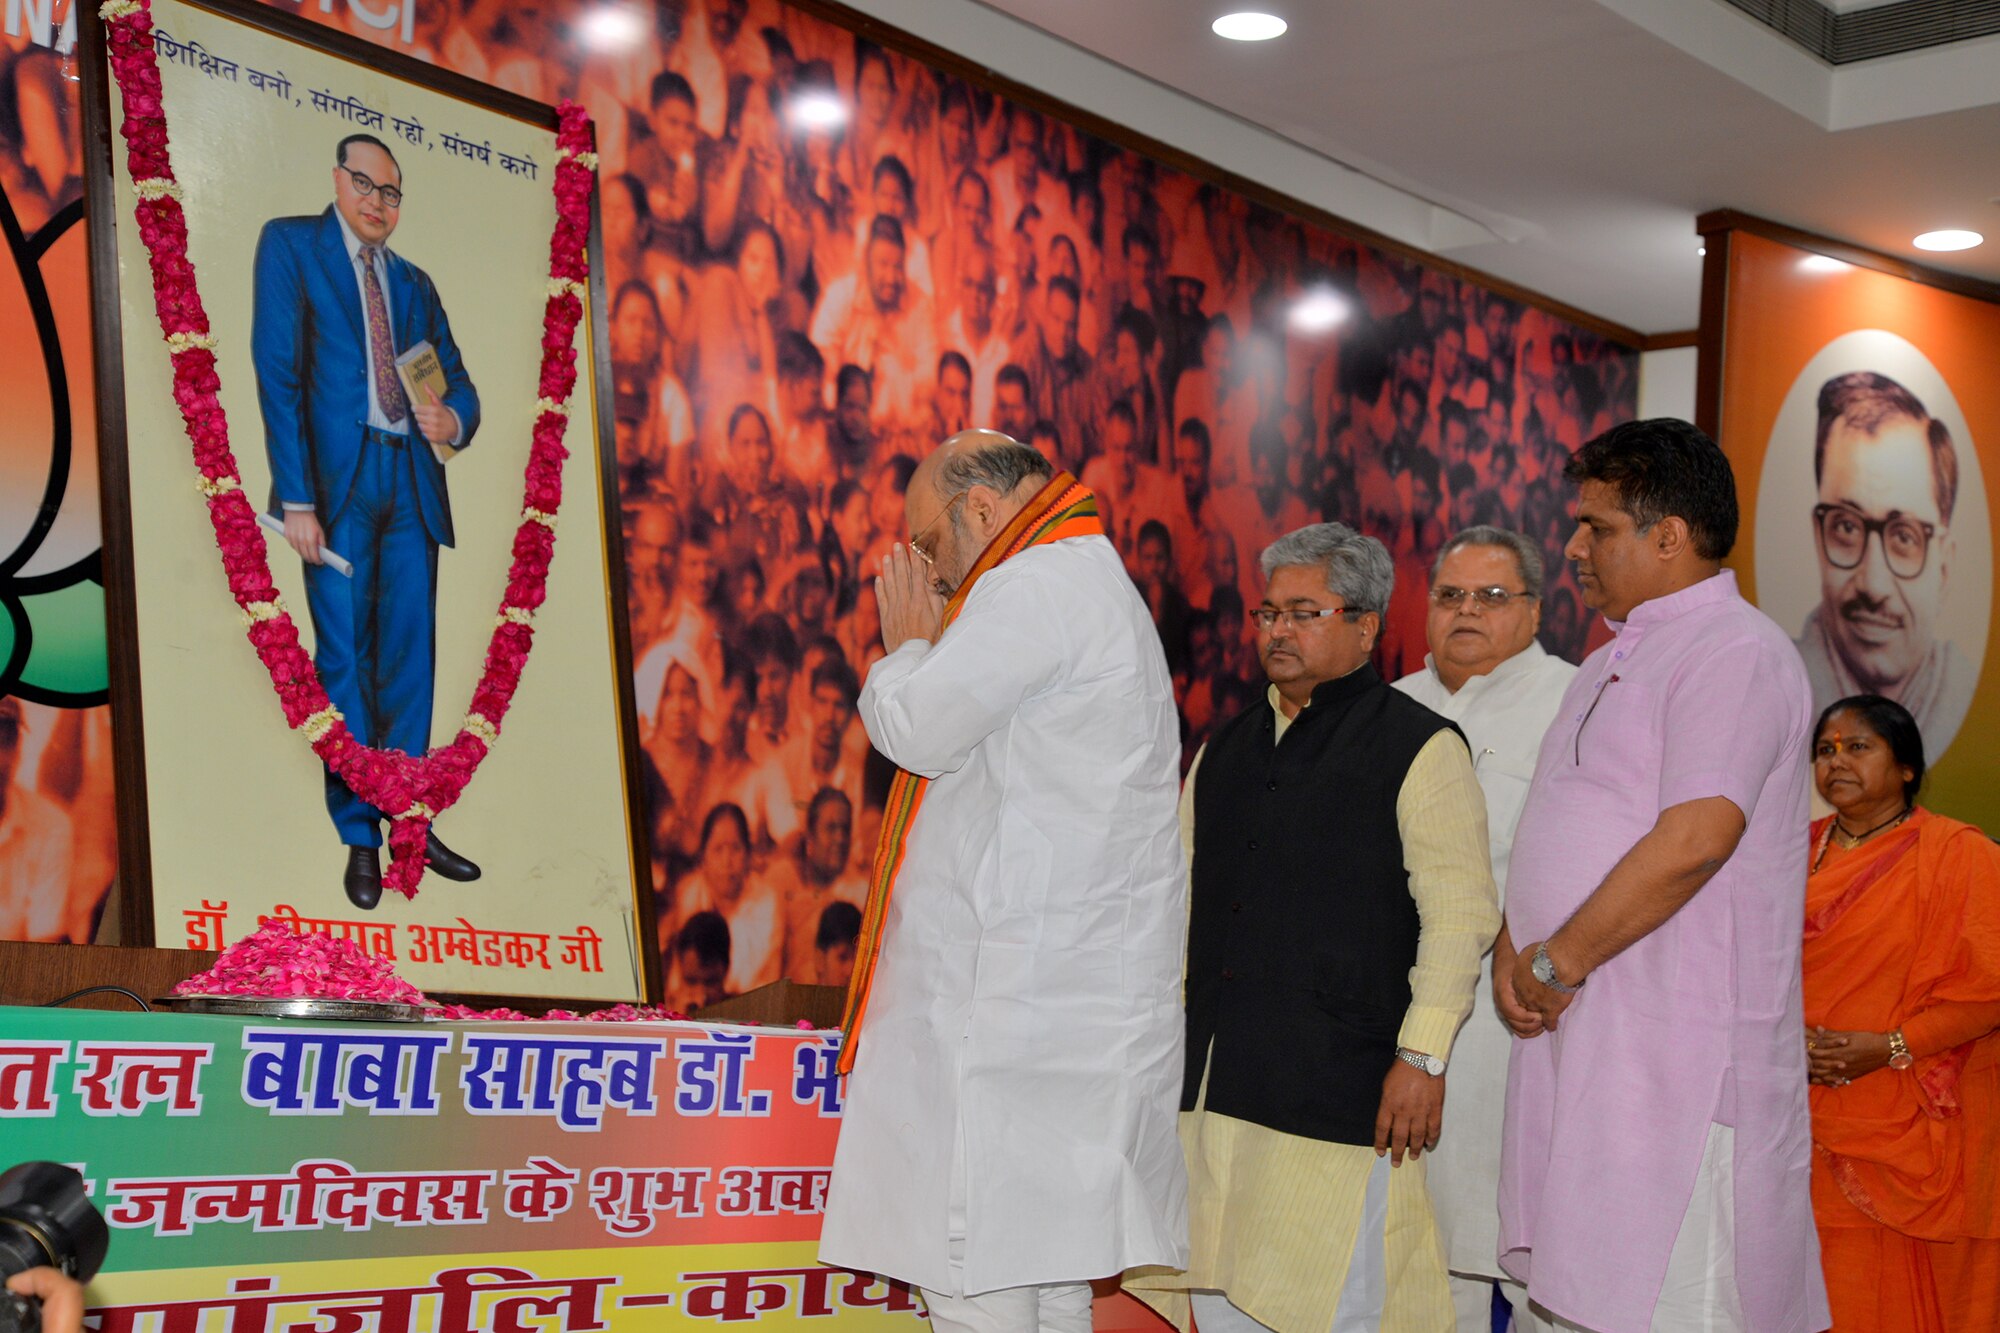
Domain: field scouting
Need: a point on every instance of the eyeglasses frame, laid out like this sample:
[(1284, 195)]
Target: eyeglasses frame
[(1872, 529), (365, 185)]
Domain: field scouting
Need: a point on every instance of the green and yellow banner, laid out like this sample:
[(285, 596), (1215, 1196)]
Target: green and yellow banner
[(281, 1175)]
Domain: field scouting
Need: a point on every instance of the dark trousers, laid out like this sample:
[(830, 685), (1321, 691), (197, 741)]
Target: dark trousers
[(376, 633)]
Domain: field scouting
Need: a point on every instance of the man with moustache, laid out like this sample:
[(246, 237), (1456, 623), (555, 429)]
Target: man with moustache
[(1058, 368), (951, 404), (1888, 482), (1263, 505), (1655, 1158), (814, 875), (1136, 492), (1196, 512), (1024, 182), (1126, 375), (1013, 1024), (1013, 410), (826, 753), (1486, 673), (972, 333), (874, 319), (1341, 899)]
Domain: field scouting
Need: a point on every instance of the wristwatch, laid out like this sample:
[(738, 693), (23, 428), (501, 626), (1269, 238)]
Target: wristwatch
[(1430, 1064), (1899, 1051), (1545, 972)]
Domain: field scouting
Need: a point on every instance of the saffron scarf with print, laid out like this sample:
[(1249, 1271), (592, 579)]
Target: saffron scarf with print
[(1063, 508)]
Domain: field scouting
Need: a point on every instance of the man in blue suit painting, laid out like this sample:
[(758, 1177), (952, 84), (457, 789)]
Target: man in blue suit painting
[(353, 468)]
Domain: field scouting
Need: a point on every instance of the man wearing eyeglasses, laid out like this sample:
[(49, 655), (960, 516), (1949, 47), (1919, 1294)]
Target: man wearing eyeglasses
[(1341, 901), (1013, 1024), (1888, 481), (1486, 673), (355, 467)]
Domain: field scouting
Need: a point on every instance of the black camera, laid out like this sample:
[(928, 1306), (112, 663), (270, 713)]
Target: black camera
[(46, 1220)]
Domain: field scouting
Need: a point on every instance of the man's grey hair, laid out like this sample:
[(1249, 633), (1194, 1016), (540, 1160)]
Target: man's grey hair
[(1358, 569), (1526, 554), (997, 461)]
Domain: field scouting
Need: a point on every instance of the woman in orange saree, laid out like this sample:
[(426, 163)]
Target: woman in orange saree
[(1902, 998)]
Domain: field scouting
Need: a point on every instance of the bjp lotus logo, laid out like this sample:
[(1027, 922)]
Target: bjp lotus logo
[(51, 584)]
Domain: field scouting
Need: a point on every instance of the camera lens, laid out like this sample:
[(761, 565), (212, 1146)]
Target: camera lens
[(46, 1218), (19, 1250)]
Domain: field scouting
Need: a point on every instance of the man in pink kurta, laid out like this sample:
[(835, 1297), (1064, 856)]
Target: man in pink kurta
[(1655, 1164)]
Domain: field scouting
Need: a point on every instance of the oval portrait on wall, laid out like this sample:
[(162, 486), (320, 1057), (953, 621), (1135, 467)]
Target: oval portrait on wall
[(1874, 545)]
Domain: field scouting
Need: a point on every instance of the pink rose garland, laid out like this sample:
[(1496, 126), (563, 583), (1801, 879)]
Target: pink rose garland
[(411, 790)]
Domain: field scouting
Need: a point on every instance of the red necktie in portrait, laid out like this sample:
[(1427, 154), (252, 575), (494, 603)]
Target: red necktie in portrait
[(388, 386)]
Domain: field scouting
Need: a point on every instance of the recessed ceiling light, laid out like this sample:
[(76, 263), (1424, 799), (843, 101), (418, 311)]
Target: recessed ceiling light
[(1317, 311), (1249, 26), (1700, 251), (816, 111), (1822, 264), (1948, 240), (611, 28)]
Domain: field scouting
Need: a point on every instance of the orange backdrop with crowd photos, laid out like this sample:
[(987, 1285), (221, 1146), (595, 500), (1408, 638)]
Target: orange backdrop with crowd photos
[(822, 257)]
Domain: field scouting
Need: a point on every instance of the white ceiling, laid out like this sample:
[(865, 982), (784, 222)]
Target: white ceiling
[(1585, 136)]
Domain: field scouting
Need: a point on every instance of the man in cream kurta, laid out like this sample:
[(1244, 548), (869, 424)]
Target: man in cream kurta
[(1486, 673), (1009, 1125), (1341, 902)]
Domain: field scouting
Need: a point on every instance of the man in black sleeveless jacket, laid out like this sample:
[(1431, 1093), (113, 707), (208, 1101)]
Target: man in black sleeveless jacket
[(1342, 898)]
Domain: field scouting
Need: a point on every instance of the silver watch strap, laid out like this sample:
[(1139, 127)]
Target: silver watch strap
[(1545, 972), (1418, 1062)]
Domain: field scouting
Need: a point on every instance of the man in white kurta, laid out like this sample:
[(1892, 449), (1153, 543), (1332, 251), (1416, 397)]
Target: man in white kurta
[(1486, 673), (1009, 1131)]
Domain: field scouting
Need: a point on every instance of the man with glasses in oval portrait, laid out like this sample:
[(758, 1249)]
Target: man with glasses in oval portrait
[(357, 466), (1888, 481)]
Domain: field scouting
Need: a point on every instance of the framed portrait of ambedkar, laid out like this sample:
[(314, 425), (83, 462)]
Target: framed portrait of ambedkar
[(371, 237)]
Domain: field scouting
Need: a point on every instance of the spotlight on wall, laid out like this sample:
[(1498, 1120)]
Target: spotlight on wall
[(1317, 311), (1949, 239), (610, 28), (1821, 264), (816, 111), (1249, 26)]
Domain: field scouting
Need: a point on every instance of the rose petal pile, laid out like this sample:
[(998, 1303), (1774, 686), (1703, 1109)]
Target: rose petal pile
[(412, 790), (617, 1013), (635, 1013), (461, 1013), (274, 963)]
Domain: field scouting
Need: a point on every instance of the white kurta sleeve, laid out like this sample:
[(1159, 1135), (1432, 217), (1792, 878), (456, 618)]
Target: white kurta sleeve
[(927, 706)]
